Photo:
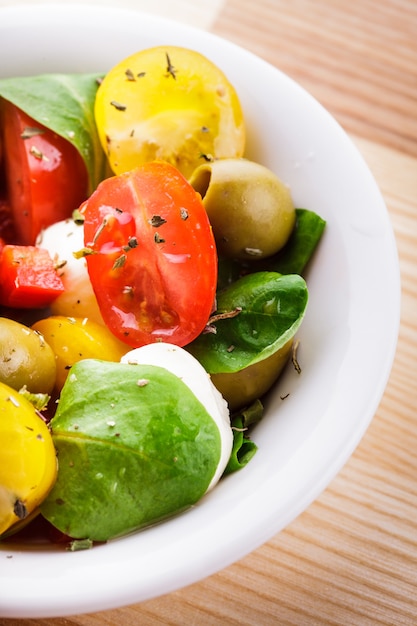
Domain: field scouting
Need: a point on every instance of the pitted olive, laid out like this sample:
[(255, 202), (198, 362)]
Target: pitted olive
[(251, 210), (26, 359), (243, 387)]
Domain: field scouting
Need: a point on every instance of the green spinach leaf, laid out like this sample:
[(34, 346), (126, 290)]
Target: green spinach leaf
[(255, 316), (243, 448), (134, 446), (299, 249)]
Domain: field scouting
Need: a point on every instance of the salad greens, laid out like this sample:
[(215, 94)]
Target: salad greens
[(134, 446), (243, 447), (262, 312), (297, 252)]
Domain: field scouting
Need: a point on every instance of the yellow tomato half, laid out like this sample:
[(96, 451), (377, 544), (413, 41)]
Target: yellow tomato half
[(73, 339), (28, 465), (168, 103)]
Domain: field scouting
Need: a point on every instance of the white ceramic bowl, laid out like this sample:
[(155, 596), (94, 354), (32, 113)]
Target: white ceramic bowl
[(347, 340)]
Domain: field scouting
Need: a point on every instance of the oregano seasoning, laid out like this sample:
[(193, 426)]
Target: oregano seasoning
[(19, 509), (34, 151), (226, 315), (119, 262), (132, 243), (118, 105), (100, 230), (157, 220), (207, 157), (171, 71), (130, 75), (86, 251), (78, 217), (30, 132), (158, 238), (294, 356)]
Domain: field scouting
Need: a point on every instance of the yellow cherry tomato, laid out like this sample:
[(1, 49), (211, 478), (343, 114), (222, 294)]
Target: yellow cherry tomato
[(73, 339), (168, 103), (28, 464)]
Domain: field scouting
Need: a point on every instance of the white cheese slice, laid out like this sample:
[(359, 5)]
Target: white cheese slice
[(61, 240)]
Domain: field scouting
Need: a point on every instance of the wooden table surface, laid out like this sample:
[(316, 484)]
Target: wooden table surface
[(351, 557)]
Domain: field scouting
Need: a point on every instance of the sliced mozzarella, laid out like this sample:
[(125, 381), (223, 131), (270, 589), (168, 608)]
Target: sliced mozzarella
[(181, 363), (61, 240)]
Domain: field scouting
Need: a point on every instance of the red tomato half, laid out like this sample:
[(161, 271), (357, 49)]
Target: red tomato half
[(45, 176), (153, 265)]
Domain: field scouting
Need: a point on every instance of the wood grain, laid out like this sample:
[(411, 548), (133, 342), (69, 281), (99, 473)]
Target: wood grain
[(357, 58), (351, 557)]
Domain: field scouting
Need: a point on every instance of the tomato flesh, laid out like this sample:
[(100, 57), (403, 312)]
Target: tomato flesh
[(152, 258), (173, 104), (45, 176), (28, 278)]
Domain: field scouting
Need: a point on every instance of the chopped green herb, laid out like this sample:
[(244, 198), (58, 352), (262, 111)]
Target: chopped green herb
[(118, 105)]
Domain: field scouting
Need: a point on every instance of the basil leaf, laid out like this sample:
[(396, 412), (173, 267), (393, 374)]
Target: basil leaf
[(230, 270), (272, 309), (64, 103), (250, 415), (243, 448), (299, 249), (134, 446)]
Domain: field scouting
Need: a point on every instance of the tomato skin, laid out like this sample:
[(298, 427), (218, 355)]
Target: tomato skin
[(45, 176), (72, 339), (154, 261), (7, 229), (28, 278), (173, 104), (28, 465)]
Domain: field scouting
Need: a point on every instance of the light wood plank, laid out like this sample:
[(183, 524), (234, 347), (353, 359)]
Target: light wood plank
[(357, 58)]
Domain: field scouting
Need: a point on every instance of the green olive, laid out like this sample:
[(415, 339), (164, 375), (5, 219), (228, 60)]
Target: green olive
[(241, 388), (251, 210), (25, 358)]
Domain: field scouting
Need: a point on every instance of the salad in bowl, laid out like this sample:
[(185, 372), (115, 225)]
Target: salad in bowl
[(183, 244), (183, 305)]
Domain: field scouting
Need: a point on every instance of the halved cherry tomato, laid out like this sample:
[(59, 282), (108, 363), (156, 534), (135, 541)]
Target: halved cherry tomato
[(73, 339), (28, 465), (151, 256), (46, 178), (168, 103)]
